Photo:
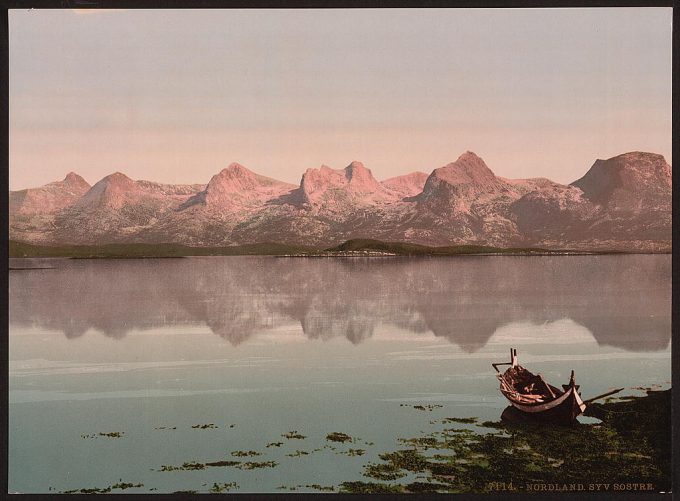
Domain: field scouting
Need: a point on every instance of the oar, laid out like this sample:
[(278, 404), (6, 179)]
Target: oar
[(546, 386), (602, 396)]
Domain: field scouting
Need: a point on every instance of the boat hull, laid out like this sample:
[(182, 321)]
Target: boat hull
[(532, 396), (563, 410)]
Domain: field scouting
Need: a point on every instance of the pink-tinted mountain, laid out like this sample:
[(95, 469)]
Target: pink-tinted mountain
[(623, 203), (408, 185), (50, 198), (237, 187)]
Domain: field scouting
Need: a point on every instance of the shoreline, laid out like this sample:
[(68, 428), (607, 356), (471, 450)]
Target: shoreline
[(364, 248), (341, 255), (477, 254)]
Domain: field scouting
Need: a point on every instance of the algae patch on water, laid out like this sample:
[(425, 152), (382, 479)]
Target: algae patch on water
[(353, 452), (359, 487), (316, 487), (293, 435), (337, 436), (105, 490), (218, 488), (253, 465), (208, 426), (195, 465), (429, 407), (297, 454), (467, 420), (245, 453), (107, 434), (112, 434)]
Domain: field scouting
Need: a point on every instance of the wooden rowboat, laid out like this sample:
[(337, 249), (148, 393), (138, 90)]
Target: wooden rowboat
[(532, 396)]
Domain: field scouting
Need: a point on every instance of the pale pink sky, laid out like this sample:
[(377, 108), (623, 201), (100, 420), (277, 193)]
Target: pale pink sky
[(175, 96)]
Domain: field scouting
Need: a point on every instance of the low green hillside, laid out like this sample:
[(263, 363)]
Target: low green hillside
[(406, 249), (21, 249)]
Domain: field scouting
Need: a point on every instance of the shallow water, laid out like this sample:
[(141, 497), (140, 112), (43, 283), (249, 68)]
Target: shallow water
[(261, 346)]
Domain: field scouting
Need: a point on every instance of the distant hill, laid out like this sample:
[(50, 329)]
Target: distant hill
[(406, 249)]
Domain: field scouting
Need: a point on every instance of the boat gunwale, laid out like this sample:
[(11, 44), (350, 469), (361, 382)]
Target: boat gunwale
[(510, 391)]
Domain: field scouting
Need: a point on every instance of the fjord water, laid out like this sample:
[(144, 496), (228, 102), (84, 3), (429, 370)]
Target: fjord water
[(262, 346)]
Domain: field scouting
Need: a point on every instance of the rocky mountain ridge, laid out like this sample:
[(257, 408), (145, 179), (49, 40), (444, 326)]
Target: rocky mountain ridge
[(623, 203), (50, 198)]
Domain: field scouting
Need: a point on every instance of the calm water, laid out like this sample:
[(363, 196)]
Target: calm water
[(260, 346)]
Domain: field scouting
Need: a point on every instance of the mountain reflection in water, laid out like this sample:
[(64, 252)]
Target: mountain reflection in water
[(623, 300)]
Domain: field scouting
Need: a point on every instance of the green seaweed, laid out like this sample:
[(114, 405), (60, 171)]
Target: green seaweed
[(192, 465), (241, 454), (384, 471), (317, 487), (359, 487), (108, 434), (92, 490), (415, 487), (125, 485), (112, 434), (293, 435), (337, 436), (642, 420), (630, 446), (96, 490), (467, 420), (324, 488), (429, 408), (297, 454), (219, 464), (424, 442), (225, 487), (252, 465), (195, 465)]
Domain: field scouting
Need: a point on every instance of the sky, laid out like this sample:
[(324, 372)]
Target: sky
[(175, 96)]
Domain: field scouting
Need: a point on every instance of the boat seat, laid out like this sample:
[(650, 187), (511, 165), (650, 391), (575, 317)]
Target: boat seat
[(532, 398)]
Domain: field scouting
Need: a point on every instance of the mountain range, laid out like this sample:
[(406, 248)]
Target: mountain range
[(622, 204)]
